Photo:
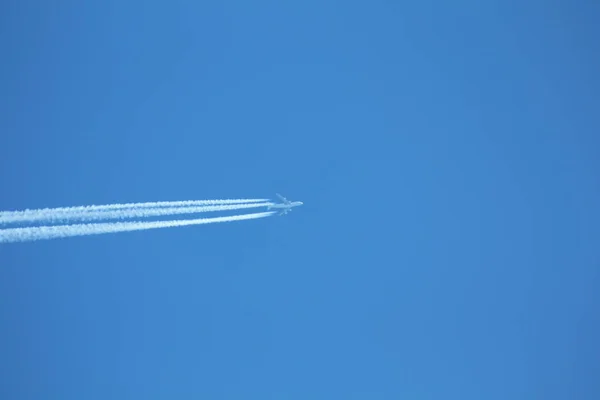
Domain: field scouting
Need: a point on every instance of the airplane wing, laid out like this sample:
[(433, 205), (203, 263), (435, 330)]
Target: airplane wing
[(286, 201)]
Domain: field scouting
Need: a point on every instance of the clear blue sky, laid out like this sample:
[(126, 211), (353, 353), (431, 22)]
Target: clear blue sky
[(447, 154)]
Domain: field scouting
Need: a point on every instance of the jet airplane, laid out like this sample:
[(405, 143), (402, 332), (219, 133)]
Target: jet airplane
[(286, 206)]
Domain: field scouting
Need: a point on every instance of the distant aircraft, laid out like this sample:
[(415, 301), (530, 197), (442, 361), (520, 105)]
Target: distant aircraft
[(286, 206)]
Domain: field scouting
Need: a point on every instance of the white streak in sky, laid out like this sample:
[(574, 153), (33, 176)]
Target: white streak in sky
[(187, 203), (79, 214), (63, 231)]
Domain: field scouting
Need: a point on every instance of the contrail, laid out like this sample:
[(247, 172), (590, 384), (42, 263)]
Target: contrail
[(79, 214), (187, 203), (63, 231)]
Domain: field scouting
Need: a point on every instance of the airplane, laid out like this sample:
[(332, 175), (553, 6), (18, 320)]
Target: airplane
[(286, 206)]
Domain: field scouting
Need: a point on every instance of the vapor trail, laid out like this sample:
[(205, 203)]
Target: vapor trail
[(77, 214), (63, 231), (187, 203)]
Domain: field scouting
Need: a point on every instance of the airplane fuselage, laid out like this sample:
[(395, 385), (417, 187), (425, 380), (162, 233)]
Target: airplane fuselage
[(286, 206), (292, 204)]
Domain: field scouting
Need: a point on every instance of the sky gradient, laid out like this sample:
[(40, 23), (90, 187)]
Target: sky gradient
[(447, 155)]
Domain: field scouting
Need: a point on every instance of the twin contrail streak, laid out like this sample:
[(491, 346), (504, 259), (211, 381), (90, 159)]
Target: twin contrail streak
[(109, 212), (63, 231), (79, 214), (67, 210)]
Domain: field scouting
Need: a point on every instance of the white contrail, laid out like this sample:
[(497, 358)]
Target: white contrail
[(63, 231), (51, 216), (187, 203)]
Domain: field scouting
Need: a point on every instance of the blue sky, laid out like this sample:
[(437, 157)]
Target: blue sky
[(447, 155)]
